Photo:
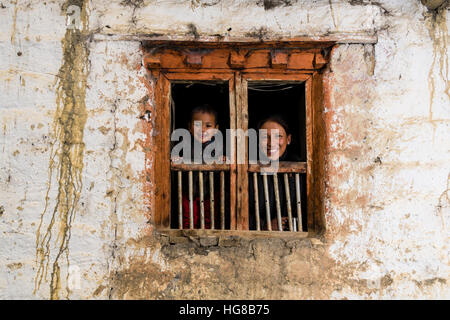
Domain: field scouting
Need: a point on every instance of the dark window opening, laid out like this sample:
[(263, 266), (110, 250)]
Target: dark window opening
[(287, 100), (185, 97), (188, 95)]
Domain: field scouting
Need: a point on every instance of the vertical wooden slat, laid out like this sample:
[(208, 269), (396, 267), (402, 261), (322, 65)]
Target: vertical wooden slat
[(266, 201), (191, 201), (299, 204), (255, 187), (277, 201), (211, 199), (202, 200), (222, 200), (180, 200), (288, 200)]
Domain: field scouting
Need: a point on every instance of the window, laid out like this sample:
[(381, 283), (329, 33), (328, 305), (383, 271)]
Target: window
[(245, 83)]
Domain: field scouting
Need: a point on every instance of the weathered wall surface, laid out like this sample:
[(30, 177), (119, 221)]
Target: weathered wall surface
[(73, 219)]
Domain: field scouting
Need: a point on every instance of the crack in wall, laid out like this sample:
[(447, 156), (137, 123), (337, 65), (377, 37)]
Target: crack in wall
[(66, 157), (119, 173), (444, 201), (135, 4), (332, 13), (384, 11), (114, 195)]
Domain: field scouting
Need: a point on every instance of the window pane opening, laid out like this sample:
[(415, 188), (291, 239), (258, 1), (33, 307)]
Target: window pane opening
[(200, 195), (278, 201), (283, 99)]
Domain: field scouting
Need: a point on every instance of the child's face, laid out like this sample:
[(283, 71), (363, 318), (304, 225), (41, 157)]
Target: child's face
[(275, 141), (208, 126)]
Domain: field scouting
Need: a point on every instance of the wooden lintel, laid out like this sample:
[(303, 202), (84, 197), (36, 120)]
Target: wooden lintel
[(194, 59), (301, 60), (152, 61), (236, 60), (279, 59), (319, 61)]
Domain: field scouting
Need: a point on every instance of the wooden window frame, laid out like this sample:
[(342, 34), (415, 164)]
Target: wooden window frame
[(171, 63)]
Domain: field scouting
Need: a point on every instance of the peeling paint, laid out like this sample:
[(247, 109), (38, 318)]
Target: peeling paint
[(260, 33)]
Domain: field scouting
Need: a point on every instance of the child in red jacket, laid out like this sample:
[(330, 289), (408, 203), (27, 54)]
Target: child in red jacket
[(207, 117)]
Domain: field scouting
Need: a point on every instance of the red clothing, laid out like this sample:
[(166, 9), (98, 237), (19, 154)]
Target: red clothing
[(196, 212)]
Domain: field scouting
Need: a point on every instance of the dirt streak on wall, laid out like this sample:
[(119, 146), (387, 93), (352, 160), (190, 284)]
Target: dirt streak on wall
[(54, 231), (13, 31), (437, 29)]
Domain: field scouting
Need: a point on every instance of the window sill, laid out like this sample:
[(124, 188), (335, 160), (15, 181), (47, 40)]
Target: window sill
[(228, 238)]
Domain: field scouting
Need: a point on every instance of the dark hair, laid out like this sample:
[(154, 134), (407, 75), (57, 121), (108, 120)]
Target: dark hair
[(204, 108), (278, 119)]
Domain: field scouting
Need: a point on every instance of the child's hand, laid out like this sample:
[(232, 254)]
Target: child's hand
[(219, 159), (284, 224)]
